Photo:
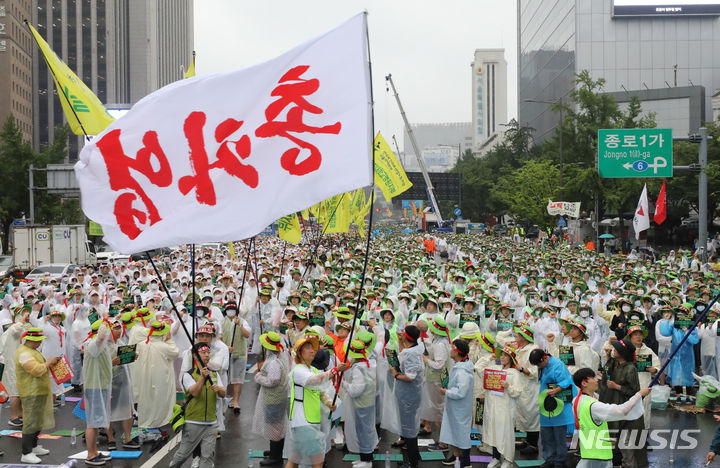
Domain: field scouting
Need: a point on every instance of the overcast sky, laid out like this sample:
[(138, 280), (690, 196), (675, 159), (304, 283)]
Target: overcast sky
[(427, 45)]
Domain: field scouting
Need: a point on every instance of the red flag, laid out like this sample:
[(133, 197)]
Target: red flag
[(661, 206)]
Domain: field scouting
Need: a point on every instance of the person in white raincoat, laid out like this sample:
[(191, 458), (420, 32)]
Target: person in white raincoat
[(408, 385), (157, 377), (235, 332), (121, 394), (528, 414), (581, 354), (437, 362), (271, 416), (642, 354), (56, 343), (485, 358), (97, 369), (359, 384), (306, 444), (500, 408), (458, 413)]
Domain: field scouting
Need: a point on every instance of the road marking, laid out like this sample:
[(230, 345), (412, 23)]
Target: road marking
[(164, 450)]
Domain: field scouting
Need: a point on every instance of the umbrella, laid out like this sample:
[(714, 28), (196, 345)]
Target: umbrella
[(607, 236)]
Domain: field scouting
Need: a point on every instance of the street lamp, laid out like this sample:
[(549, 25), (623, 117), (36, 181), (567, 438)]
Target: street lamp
[(560, 102)]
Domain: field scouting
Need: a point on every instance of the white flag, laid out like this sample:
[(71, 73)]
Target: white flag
[(220, 157), (641, 221)]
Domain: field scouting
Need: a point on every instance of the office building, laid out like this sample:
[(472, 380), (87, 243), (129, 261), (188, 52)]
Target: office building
[(636, 46), (439, 143), (489, 94), (121, 49), (16, 65)]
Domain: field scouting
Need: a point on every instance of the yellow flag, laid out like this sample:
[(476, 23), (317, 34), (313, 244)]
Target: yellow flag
[(339, 221), (289, 228), (83, 110), (191, 69), (389, 174), (231, 248)]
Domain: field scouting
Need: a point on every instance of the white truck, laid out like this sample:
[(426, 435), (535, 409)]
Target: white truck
[(40, 245)]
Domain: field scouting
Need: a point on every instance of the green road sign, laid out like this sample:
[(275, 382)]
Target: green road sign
[(635, 152)]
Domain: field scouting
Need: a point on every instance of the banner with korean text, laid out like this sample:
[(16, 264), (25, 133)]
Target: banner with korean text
[(561, 208), (216, 158)]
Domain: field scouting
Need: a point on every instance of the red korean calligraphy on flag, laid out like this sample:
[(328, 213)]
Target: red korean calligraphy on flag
[(217, 158)]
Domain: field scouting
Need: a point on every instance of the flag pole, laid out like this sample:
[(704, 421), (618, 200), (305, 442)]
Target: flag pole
[(62, 91), (370, 221), (319, 238), (687, 335), (172, 303)]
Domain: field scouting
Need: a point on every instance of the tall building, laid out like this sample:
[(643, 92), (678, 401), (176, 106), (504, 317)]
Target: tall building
[(635, 45), (439, 143), (489, 94), (16, 65), (121, 49)]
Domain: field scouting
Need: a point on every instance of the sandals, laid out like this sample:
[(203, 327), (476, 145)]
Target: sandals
[(398, 443)]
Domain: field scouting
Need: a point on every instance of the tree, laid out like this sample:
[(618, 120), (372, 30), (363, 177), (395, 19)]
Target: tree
[(479, 175), (16, 156), (527, 190)]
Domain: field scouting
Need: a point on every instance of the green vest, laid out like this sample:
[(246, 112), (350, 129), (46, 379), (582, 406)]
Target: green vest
[(593, 438), (310, 400), (239, 344), (202, 407)]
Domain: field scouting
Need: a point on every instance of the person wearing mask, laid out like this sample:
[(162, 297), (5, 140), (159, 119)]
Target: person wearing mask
[(32, 371), (437, 363), (202, 389), (647, 363), (592, 417), (681, 368), (121, 394), (270, 421), (458, 412), (408, 390), (554, 379), (235, 332)]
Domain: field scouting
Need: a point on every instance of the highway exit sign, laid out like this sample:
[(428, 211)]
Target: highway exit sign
[(635, 152)]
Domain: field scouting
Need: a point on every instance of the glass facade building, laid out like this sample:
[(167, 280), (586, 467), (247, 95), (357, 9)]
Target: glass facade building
[(558, 38)]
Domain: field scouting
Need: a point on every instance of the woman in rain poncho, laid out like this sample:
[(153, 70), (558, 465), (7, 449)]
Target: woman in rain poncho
[(500, 408), (33, 378), (680, 369), (528, 414), (408, 385), (9, 344), (56, 343), (235, 333), (436, 361), (306, 443), (360, 384), (270, 421), (97, 369), (457, 417), (121, 393), (157, 377)]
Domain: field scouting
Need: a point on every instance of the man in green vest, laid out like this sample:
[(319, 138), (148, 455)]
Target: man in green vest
[(33, 383), (200, 417), (592, 416)]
